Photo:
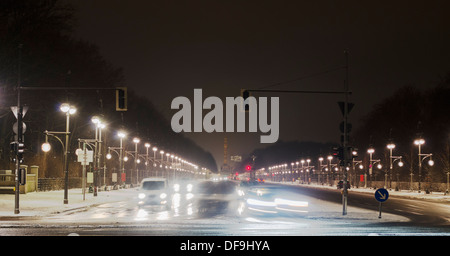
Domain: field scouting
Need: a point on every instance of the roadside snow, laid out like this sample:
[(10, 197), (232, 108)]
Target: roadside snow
[(49, 202)]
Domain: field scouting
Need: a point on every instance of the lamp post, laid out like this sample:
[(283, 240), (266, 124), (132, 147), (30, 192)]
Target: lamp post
[(166, 166), (392, 159), (320, 169), (308, 176), (69, 110), (154, 159), (329, 158), (99, 125), (121, 135), (136, 142), (171, 166), (162, 162), (419, 142), (147, 146), (371, 150), (390, 146), (304, 174)]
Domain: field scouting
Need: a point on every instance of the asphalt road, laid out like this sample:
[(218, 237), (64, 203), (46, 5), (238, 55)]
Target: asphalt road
[(420, 212), (322, 217)]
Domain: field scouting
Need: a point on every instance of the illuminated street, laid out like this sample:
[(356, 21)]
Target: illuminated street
[(207, 126), (320, 217)]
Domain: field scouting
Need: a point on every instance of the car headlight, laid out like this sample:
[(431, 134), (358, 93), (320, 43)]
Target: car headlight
[(163, 195), (141, 196)]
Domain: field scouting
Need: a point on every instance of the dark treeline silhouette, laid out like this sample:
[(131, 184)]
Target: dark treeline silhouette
[(408, 114), (37, 47)]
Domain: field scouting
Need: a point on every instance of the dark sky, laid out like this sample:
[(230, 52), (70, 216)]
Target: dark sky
[(168, 48)]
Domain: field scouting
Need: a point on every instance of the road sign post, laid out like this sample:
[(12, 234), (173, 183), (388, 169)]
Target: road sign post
[(381, 195), (85, 157)]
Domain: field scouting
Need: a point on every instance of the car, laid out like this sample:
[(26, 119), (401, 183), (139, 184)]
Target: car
[(270, 200), (183, 186), (154, 192), (215, 197)]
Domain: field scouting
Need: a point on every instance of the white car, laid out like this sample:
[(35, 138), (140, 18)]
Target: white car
[(154, 191)]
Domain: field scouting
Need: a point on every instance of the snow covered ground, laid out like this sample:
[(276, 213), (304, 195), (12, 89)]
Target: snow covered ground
[(117, 211), (48, 202), (38, 204)]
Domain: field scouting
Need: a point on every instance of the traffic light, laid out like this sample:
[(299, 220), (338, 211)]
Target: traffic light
[(18, 148), (22, 176), (348, 153), (248, 168), (121, 99), (338, 152), (245, 94)]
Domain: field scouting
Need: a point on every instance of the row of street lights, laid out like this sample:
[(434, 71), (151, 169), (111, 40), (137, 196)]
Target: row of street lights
[(179, 164), (281, 170), (176, 163)]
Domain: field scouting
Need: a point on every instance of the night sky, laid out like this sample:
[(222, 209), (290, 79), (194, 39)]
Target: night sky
[(168, 48)]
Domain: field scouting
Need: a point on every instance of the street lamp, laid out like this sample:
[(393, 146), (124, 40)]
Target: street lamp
[(419, 142), (121, 135), (136, 142), (99, 125), (46, 147), (392, 160), (328, 169), (390, 146), (69, 110), (147, 146), (320, 170), (371, 150)]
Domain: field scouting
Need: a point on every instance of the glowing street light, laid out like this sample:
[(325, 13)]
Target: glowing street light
[(69, 110), (419, 142), (46, 147), (121, 135), (392, 159), (136, 158)]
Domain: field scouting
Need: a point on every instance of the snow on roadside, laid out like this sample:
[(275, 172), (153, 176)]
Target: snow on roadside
[(48, 202)]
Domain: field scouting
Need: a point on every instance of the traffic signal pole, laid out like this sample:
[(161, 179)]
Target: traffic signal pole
[(345, 140), (345, 109), (19, 137), (18, 160)]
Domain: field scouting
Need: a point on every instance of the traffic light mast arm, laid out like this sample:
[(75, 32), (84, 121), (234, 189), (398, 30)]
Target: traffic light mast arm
[(295, 91), (66, 88), (121, 93)]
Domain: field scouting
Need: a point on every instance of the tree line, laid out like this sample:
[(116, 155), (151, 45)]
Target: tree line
[(38, 50), (410, 113)]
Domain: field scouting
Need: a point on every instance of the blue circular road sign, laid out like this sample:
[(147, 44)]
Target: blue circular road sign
[(381, 195)]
